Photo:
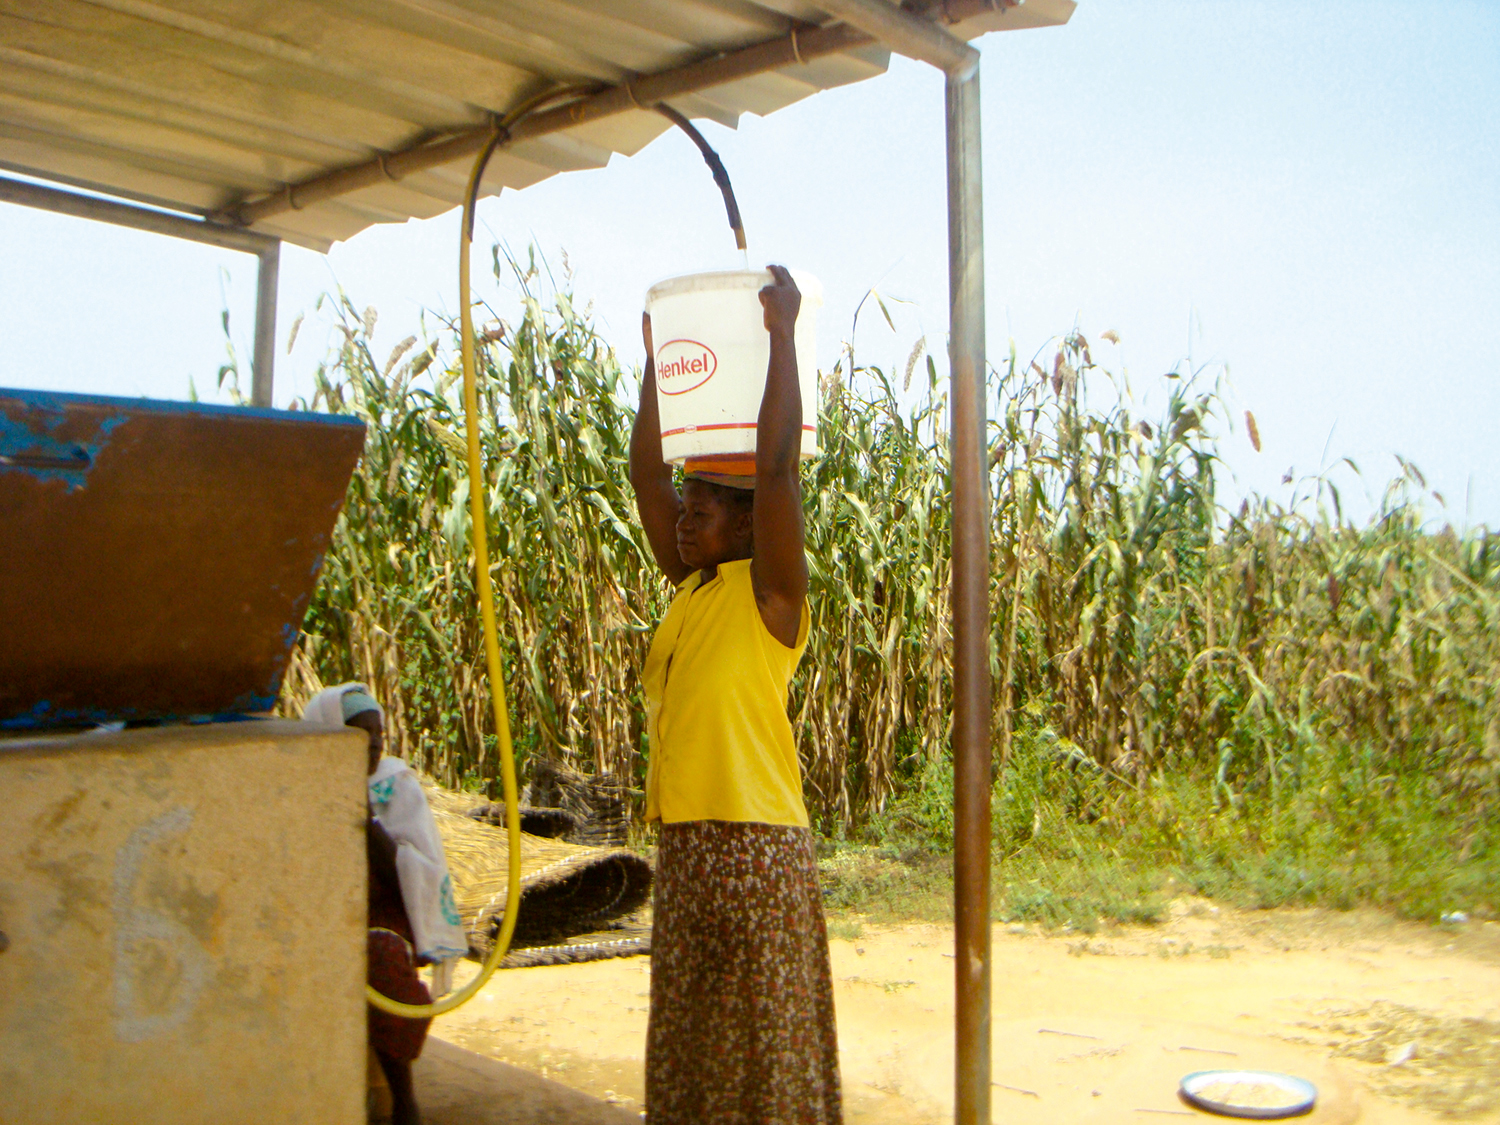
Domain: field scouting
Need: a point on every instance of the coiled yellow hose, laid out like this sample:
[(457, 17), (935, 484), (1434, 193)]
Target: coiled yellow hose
[(491, 639)]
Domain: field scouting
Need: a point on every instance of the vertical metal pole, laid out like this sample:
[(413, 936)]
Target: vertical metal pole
[(971, 616), (263, 372)]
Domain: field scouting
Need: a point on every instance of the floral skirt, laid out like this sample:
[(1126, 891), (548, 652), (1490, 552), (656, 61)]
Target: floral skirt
[(742, 1025), (392, 972)]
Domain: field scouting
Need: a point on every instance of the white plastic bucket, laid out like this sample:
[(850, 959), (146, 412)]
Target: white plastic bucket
[(712, 351)]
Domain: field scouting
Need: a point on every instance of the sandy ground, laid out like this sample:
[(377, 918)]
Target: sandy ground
[(1395, 1023)]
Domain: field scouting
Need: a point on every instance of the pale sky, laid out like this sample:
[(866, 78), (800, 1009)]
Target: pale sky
[(1308, 193)]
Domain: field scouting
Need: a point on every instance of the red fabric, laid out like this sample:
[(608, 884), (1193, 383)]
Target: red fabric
[(393, 973)]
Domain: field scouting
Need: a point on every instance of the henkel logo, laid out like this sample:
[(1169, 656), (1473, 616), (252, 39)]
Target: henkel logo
[(684, 365)]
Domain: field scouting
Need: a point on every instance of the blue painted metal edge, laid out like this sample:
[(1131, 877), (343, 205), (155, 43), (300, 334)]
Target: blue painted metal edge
[(57, 399), (41, 718)]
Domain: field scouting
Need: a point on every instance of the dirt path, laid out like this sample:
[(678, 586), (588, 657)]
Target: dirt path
[(1395, 1023)]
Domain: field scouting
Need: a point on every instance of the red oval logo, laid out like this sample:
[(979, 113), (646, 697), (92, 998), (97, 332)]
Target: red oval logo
[(684, 365)]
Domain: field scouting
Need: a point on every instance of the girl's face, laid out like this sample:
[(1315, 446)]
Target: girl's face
[(369, 721), (711, 530)]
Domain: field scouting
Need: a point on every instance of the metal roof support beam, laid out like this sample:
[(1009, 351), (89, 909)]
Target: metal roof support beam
[(266, 248), (129, 215), (924, 40), (913, 36), (641, 93)]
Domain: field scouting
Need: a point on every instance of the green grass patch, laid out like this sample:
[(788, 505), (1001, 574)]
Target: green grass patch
[(1077, 848), (883, 884), (846, 929)]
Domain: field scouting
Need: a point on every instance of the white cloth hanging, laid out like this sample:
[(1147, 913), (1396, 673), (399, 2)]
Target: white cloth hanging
[(426, 888), (400, 805)]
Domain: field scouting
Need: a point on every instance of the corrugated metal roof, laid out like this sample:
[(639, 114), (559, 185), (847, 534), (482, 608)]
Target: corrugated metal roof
[(199, 105)]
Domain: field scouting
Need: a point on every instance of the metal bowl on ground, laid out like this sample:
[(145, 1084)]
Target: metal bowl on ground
[(1258, 1094)]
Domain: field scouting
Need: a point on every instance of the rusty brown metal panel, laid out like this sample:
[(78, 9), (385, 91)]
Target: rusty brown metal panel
[(157, 558)]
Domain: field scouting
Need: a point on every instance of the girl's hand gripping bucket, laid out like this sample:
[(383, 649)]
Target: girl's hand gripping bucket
[(712, 351)]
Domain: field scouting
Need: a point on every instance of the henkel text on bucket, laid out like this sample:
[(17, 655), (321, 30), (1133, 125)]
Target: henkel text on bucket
[(712, 351)]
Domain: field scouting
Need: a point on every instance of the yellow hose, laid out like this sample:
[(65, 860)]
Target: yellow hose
[(491, 640)]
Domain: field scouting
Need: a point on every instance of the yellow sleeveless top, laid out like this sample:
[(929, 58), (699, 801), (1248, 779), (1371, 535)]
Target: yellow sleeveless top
[(716, 682)]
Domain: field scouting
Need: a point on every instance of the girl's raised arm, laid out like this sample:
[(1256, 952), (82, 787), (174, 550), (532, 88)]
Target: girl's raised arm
[(779, 566), (651, 477)]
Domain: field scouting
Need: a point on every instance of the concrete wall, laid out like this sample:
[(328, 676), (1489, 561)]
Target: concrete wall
[(185, 915)]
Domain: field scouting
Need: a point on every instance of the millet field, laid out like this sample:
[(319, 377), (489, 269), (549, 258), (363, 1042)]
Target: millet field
[(1267, 704)]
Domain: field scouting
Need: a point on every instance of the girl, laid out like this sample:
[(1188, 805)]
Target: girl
[(741, 1029)]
